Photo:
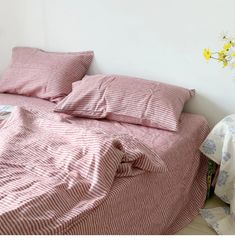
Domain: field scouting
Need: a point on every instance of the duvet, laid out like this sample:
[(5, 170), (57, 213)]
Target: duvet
[(54, 173)]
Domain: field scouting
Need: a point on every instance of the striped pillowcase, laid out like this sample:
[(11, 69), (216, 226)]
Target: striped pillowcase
[(47, 75), (127, 99)]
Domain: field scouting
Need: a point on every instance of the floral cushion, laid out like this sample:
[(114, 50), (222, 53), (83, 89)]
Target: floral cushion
[(219, 146)]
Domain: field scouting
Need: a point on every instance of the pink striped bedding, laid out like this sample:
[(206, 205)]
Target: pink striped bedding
[(127, 99), (49, 75), (160, 202), (55, 172)]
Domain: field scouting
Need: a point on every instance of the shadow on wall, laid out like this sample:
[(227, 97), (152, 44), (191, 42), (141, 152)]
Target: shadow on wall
[(95, 67), (204, 106)]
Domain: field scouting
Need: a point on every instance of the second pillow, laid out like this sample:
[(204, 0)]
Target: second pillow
[(127, 99)]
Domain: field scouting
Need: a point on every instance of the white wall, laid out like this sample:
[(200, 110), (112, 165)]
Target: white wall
[(154, 39), (9, 31)]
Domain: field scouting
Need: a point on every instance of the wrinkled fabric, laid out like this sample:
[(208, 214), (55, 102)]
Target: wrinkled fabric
[(151, 202), (220, 147), (53, 172), (49, 75)]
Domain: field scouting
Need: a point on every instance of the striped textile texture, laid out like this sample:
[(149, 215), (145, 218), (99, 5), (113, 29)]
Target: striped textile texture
[(24, 101), (54, 173), (127, 99), (47, 75), (151, 202)]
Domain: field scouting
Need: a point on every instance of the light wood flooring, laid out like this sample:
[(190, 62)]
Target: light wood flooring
[(199, 226)]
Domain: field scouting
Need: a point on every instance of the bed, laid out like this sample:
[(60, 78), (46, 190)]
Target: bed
[(148, 203)]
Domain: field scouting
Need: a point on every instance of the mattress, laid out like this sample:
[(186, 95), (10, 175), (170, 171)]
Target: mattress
[(150, 203)]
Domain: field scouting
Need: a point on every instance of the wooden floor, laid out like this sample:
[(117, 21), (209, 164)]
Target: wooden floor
[(199, 226)]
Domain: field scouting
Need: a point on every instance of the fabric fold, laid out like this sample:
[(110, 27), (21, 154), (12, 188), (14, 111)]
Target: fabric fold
[(53, 172)]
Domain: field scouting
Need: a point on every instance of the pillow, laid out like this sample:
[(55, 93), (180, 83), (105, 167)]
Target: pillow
[(47, 75), (127, 99)]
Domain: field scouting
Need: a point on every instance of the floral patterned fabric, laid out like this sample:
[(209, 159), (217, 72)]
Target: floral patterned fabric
[(5, 111), (219, 146)]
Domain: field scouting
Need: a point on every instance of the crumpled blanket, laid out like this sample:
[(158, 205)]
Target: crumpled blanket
[(219, 146), (54, 173)]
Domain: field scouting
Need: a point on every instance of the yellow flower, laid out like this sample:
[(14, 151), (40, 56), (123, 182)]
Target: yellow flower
[(222, 55), (227, 46), (233, 54), (225, 63), (231, 41), (207, 54)]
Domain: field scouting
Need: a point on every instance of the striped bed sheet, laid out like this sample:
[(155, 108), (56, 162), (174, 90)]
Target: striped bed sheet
[(150, 202)]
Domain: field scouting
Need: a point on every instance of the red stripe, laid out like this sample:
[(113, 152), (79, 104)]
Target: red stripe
[(127, 99), (47, 75), (150, 203)]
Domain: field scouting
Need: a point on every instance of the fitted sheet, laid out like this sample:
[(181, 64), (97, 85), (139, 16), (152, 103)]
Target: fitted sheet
[(149, 203)]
